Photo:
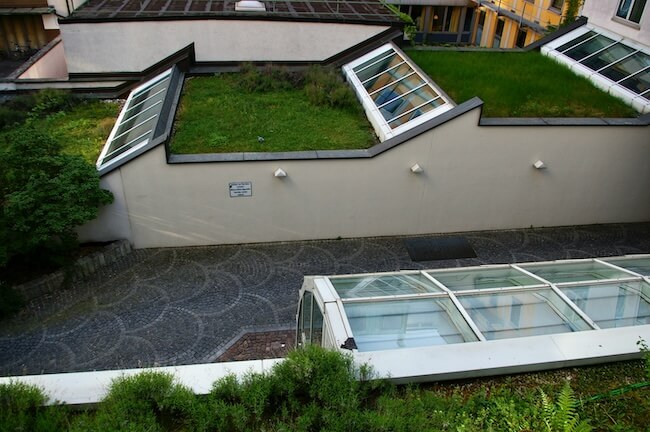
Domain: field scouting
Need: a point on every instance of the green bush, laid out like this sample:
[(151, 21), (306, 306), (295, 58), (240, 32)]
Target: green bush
[(22, 409), (267, 79), (48, 101), (149, 401), (44, 194), (325, 87)]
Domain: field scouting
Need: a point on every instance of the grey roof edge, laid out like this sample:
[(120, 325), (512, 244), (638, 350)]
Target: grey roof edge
[(34, 58), (330, 154), (582, 20), (565, 121)]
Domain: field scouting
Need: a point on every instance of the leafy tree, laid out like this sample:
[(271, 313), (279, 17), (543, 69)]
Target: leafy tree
[(44, 194)]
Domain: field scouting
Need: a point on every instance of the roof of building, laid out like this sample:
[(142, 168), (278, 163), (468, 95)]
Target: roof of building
[(364, 11)]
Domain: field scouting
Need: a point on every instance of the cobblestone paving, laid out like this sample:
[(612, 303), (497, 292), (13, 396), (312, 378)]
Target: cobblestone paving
[(185, 305)]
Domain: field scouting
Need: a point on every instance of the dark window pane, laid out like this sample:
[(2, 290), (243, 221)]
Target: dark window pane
[(626, 67), (638, 83), (587, 48), (608, 56), (576, 41)]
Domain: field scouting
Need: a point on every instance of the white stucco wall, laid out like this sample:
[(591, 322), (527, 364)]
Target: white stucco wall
[(475, 178), (51, 65), (112, 222), (602, 13), (134, 46)]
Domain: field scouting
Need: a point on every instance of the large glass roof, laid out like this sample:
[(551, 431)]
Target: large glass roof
[(437, 307), (615, 64), (137, 122), (394, 93)]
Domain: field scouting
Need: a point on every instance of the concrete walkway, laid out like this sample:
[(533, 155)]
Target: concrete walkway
[(164, 307)]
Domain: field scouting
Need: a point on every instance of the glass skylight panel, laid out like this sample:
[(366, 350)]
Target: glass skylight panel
[(139, 117), (617, 65), (626, 67), (639, 83), (608, 56), (575, 272), (406, 324), (381, 286), (462, 280), (506, 315), (589, 47), (637, 265), (392, 90), (613, 305), (576, 41)]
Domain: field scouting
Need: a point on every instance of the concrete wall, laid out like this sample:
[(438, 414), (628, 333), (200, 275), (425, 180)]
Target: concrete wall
[(112, 223), (134, 46), (50, 65), (603, 14), (475, 178)]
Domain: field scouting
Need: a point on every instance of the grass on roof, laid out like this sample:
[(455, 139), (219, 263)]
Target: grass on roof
[(515, 84), (82, 130), (215, 116)]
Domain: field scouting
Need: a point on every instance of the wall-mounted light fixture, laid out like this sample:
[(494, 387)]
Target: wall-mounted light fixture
[(280, 173), (539, 164), (416, 169)]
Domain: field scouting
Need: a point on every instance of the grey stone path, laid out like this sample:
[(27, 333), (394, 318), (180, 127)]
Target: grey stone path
[(184, 305)]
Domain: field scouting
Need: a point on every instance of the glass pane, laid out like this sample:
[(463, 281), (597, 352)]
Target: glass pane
[(638, 83), (576, 41), (531, 313), (624, 8), (376, 64), (629, 66), (575, 272), (591, 46), (637, 10), (410, 114), (637, 265), (317, 325), (608, 56), (394, 105), (306, 316), (462, 280), (381, 286), (139, 118), (613, 305), (406, 324), (384, 79)]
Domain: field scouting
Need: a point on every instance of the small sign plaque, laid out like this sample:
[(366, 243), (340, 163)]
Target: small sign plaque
[(240, 189)]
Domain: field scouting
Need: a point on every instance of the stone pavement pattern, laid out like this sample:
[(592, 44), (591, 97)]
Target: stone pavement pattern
[(185, 305)]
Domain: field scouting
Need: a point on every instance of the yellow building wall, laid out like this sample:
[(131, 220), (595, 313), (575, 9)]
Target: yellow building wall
[(539, 11)]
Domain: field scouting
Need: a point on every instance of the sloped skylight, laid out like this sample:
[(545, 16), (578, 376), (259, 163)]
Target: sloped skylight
[(394, 93), (617, 65), (138, 120)]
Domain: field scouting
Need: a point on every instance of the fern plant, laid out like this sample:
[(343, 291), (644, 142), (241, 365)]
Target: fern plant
[(562, 416)]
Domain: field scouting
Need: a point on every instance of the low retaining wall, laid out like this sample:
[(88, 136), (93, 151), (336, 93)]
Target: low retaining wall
[(84, 266)]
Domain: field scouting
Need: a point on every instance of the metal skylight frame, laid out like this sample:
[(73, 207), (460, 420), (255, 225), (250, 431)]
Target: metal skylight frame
[(622, 87), (387, 127), (136, 125)]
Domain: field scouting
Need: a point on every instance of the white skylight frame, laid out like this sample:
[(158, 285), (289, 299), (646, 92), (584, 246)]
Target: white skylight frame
[(484, 357), (380, 124), (640, 101), (110, 154)]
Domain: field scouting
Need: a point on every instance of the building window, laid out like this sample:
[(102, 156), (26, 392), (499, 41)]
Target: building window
[(631, 10), (521, 38), (557, 4)]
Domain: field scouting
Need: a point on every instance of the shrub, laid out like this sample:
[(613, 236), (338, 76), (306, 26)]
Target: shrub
[(48, 101), (267, 79), (149, 401), (325, 87), (22, 409), (44, 194)]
